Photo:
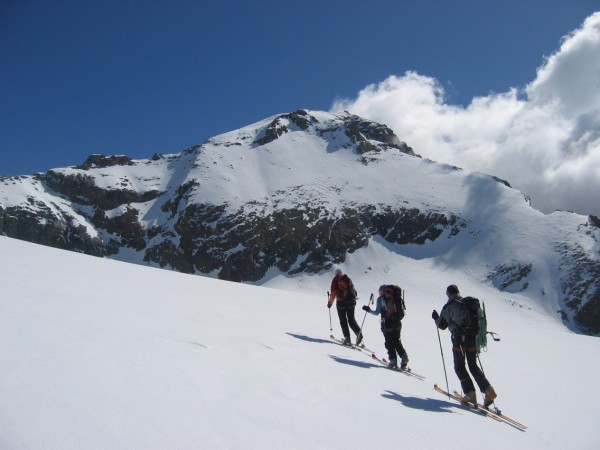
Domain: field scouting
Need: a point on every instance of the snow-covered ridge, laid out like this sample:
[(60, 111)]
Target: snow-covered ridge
[(295, 194)]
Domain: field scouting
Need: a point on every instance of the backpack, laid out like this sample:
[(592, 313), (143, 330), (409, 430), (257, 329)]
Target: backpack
[(476, 321), (394, 301)]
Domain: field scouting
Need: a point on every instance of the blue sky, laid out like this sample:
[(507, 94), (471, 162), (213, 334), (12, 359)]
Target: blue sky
[(140, 77)]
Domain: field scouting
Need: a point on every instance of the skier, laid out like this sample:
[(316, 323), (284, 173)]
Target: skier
[(342, 290), (391, 326), (454, 316)]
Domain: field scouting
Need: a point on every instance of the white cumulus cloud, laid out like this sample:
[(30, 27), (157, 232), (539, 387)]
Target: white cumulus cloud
[(544, 139)]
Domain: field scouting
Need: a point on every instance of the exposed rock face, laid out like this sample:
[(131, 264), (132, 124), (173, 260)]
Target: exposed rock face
[(581, 281), (291, 240), (82, 189), (298, 193), (42, 226)]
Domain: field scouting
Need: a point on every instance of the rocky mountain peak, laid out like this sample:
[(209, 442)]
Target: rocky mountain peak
[(295, 194)]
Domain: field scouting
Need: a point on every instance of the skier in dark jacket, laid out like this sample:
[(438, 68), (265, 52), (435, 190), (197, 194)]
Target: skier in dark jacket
[(454, 317), (343, 293), (391, 326)]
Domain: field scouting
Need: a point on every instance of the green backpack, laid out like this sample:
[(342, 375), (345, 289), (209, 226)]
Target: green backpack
[(476, 323)]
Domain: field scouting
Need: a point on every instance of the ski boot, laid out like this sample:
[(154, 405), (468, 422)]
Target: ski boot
[(490, 396), (470, 397), (359, 339), (404, 363)]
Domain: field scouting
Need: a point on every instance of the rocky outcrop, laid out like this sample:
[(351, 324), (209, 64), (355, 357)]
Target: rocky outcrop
[(81, 189), (582, 292), (279, 126), (367, 135), (43, 226), (99, 161), (588, 316), (370, 135), (244, 246)]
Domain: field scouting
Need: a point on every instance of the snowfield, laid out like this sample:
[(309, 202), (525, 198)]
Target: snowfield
[(100, 354)]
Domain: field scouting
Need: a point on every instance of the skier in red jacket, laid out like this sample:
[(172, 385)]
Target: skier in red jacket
[(342, 291)]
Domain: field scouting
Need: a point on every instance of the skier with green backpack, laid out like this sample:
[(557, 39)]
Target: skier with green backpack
[(466, 321)]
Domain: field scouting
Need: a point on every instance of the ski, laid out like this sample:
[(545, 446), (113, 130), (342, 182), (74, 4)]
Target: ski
[(372, 354), (475, 406), (406, 371), (352, 346), (339, 341), (504, 417), (469, 406), (376, 358), (362, 347), (495, 412), (479, 409)]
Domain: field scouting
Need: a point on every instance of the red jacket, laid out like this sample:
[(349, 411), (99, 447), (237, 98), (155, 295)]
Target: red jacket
[(340, 290)]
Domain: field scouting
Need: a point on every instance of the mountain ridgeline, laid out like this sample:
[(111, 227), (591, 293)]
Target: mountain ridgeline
[(299, 192)]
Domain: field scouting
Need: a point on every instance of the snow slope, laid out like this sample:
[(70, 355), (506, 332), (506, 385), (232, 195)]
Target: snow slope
[(100, 354)]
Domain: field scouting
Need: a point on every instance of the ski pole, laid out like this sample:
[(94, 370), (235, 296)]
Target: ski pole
[(329, 309), (443, 362), (363, 322), (494, 336), (480, 365)]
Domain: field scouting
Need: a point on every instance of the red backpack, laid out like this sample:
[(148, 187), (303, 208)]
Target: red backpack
[(394, 301)]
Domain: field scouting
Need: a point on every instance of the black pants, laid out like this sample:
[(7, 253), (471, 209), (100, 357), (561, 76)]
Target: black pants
[(464, 350), (393, 344), (346, 315)]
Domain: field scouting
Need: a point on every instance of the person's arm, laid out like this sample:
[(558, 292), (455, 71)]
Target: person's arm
[(441, 319), (378, 305), (332, 293), (377, 309)]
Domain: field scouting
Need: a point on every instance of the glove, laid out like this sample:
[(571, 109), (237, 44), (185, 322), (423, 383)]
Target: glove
[(329, 305), (366, 308), (435, 315)]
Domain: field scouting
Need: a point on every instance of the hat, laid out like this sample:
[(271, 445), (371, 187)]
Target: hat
[(452, 289), (338, 271)]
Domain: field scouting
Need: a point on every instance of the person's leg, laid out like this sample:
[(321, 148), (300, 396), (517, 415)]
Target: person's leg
[(477, 373), (389, 344), (399, 347), (352, 320), (342, 314), (461, 371)]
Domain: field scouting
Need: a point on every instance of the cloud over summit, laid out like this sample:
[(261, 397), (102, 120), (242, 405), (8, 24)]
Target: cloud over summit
[(544, 138)]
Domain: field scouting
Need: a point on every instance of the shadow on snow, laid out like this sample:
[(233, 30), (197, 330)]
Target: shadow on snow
[(425, 404)]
